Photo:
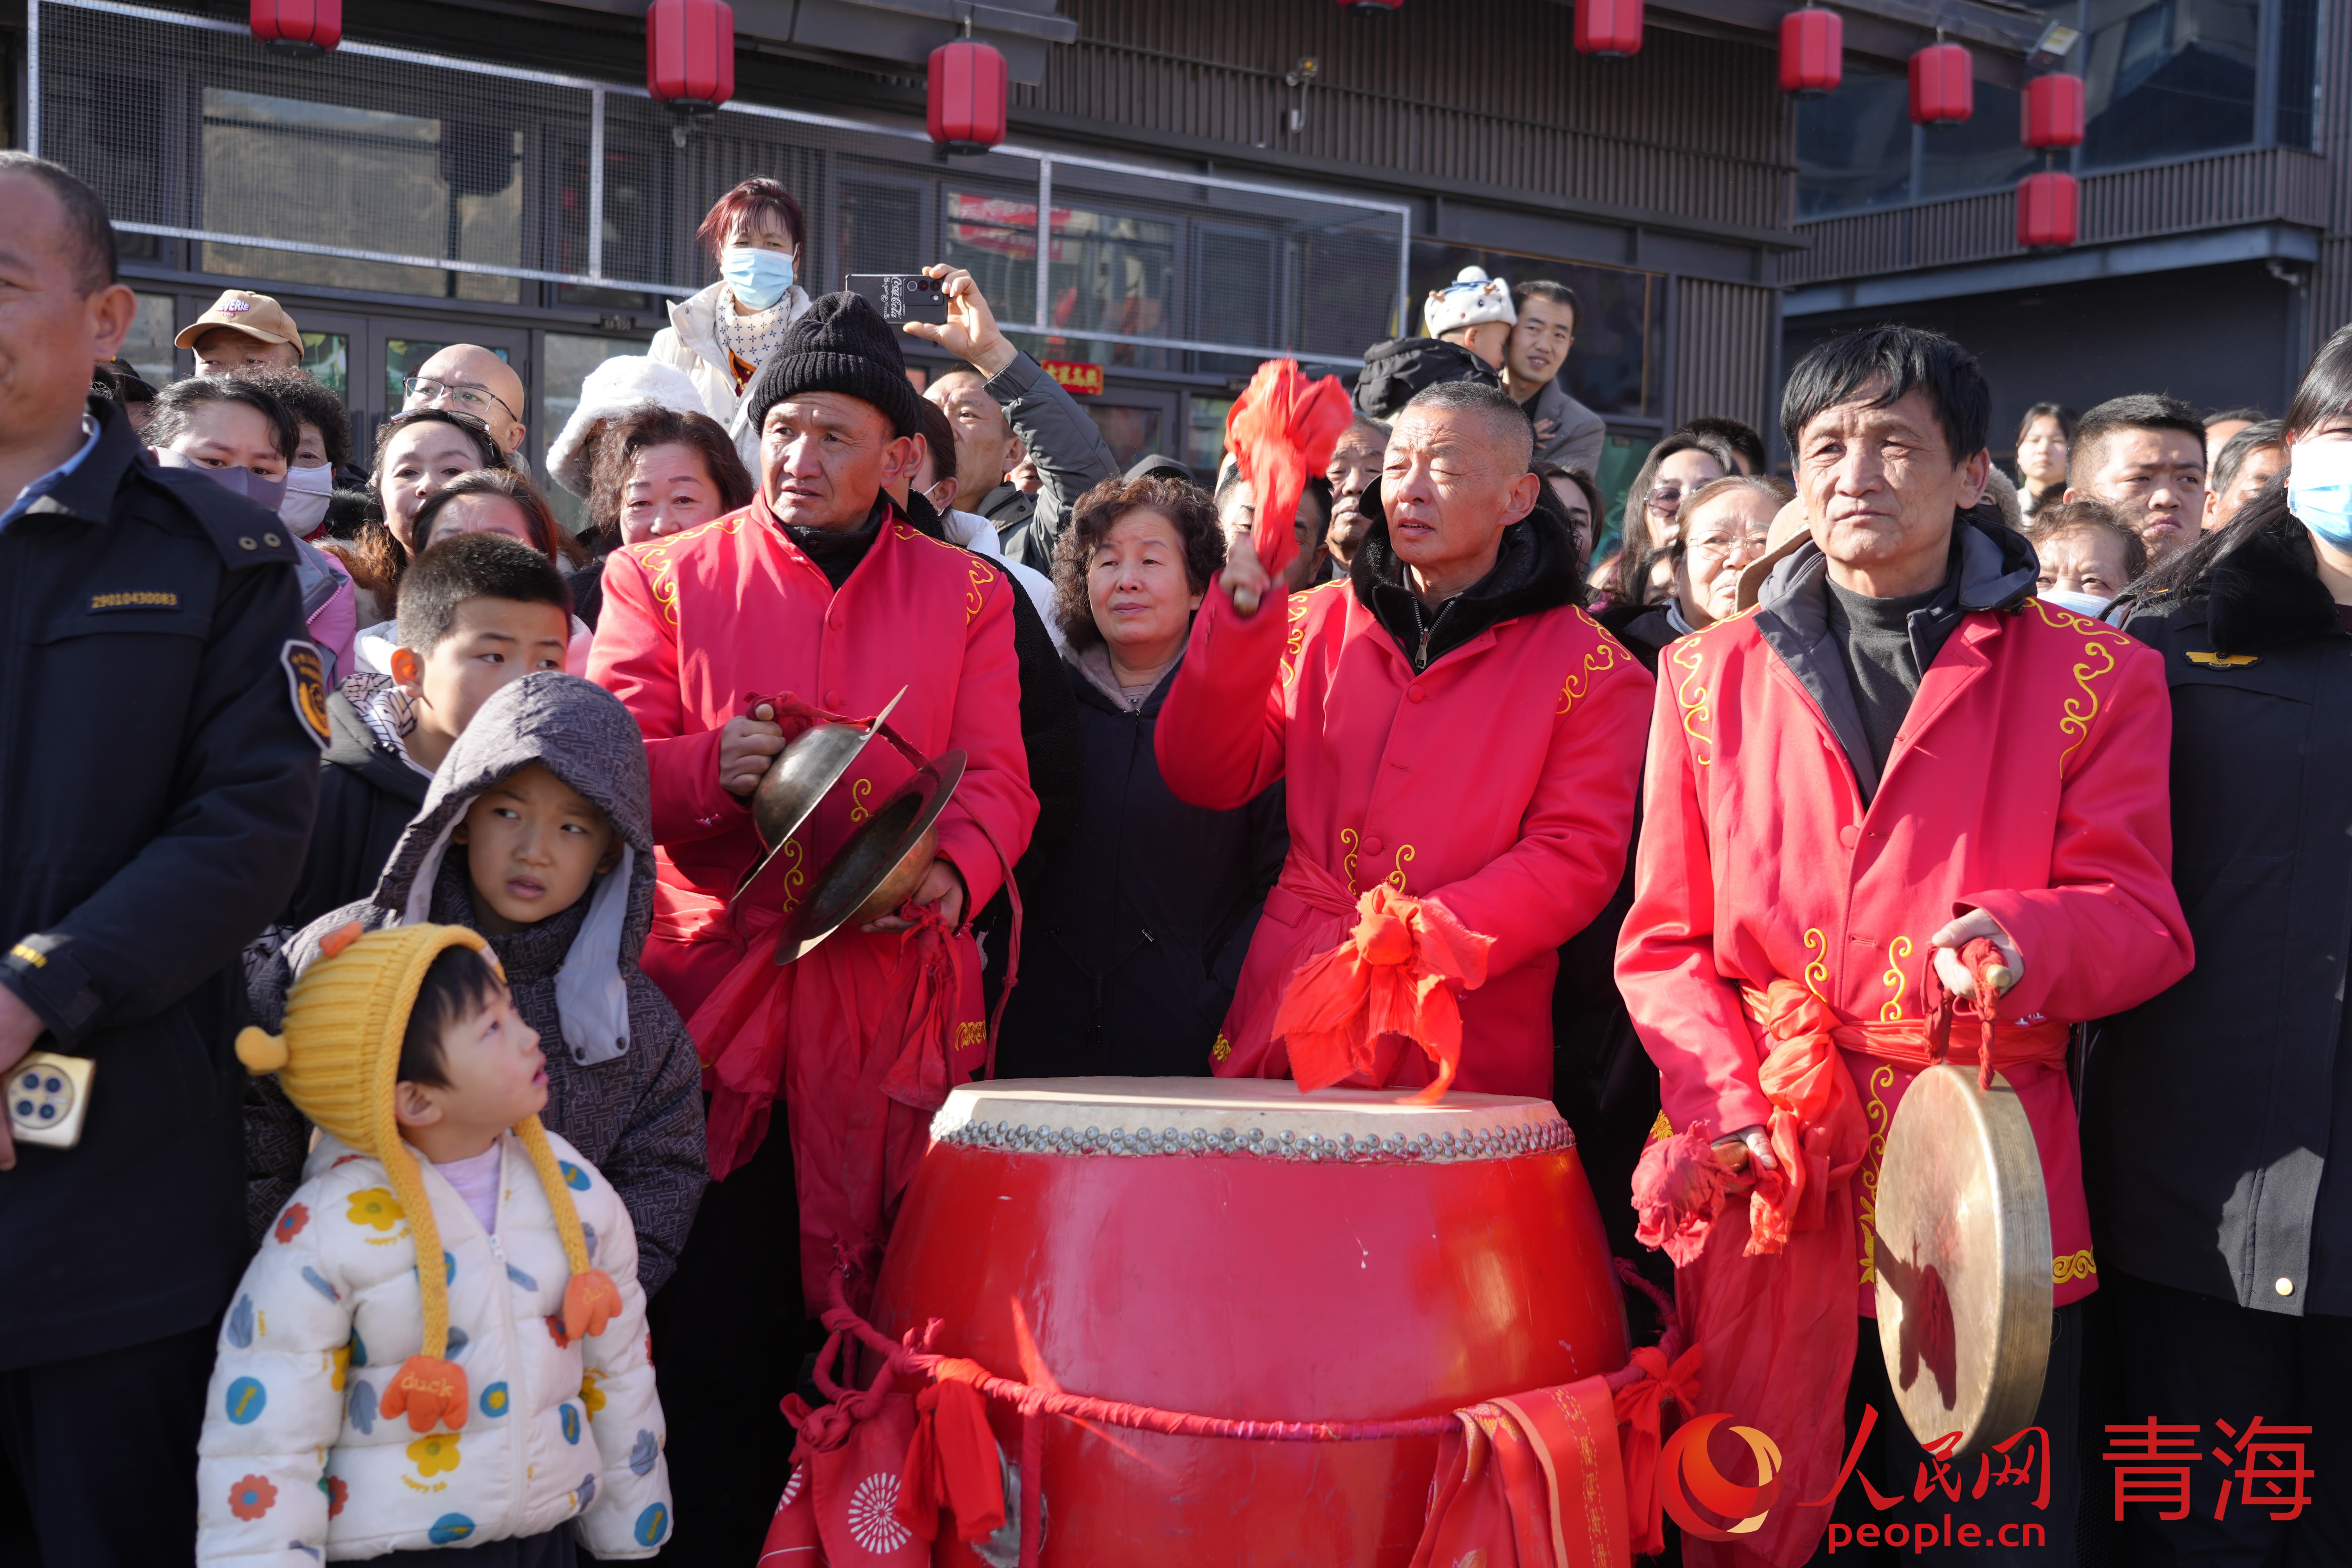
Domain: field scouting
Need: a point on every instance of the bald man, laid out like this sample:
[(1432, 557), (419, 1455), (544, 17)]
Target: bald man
[(468, 379)]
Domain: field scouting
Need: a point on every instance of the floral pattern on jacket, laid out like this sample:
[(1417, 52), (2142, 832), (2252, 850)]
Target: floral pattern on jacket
[(297, 1457)]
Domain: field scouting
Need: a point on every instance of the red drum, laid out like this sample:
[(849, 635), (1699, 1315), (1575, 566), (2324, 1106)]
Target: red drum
[(1230, 1248)]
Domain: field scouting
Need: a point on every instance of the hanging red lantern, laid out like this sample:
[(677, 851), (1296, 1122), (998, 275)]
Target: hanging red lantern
[(2053, 110), (967, 89), (1610, 28), (1812, 52), (1943, 85), (2049, 210), (299, 26), (690, 52)]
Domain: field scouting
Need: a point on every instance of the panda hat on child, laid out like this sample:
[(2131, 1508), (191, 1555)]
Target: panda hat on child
[(338, 1061), (1471, 299)]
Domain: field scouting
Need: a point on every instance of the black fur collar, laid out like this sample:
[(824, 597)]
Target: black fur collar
[(2267, 592)]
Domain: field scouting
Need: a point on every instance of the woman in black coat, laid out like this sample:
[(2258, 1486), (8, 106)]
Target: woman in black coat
[(2211, 1114), (1136, 935)]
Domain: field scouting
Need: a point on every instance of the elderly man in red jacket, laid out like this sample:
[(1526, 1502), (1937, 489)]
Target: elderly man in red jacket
[(824, 591), (1898, 751), (1462, 744)]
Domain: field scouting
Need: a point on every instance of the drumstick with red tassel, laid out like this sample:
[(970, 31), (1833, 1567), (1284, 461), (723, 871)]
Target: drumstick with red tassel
[(1281, 431)]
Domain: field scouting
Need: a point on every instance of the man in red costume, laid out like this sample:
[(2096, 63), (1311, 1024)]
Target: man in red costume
[(1462, 744), (1898, 751), (821, 591)]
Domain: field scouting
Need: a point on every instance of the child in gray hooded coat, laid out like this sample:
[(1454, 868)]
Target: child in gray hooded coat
[(538, 832)]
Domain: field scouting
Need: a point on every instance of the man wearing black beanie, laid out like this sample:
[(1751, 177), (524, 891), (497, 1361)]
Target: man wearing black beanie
[(822, 593)]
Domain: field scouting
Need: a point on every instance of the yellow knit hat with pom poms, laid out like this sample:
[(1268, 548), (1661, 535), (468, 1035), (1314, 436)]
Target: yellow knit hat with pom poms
[(338, 1061)]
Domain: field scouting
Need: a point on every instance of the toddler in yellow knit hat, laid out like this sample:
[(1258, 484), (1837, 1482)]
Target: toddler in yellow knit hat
[(441, 1343)]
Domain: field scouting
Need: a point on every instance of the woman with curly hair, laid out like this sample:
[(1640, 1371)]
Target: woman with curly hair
[(1142, 917)]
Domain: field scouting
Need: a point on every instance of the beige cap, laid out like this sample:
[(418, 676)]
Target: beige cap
[(255, 315)]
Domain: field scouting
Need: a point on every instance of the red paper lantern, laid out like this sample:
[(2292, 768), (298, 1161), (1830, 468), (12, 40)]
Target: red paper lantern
[(1813, 51), (299, 26), (1943, 85), (1610, 28), (2049, 210), (2053, 111), (690, 52), (967, 90)]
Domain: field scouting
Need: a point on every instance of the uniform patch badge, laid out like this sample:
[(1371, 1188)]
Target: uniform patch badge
[(2224, 660), (306, 682)]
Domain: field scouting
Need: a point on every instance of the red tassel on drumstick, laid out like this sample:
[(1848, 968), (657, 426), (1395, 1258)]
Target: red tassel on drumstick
[(1281, 431)]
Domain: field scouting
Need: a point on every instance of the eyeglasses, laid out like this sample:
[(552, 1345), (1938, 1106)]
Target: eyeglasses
[(474, 400)]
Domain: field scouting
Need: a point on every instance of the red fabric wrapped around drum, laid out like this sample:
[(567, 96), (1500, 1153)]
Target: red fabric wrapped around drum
[(1230, 1248)]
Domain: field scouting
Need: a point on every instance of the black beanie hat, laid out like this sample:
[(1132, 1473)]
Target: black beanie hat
[(840, 344)]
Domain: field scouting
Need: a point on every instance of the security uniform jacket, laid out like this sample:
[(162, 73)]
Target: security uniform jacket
[(161, 716), (1490, 761), (2027, 780), (2211, 1115)]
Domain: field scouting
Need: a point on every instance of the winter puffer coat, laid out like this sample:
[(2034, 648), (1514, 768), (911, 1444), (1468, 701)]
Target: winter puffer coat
[(690, 343), (297, 1455), (637, 1113)]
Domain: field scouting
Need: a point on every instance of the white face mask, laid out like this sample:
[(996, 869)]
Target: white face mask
[(2319, 488), (307, 492), (2090, 605)]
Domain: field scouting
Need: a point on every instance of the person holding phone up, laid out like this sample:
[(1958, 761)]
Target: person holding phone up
[(1006, 409)]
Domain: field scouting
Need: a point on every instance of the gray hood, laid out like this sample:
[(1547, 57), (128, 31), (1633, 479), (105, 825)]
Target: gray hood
[(581, 734)]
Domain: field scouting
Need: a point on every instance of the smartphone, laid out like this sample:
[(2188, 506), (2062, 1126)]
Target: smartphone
[(901, 296)]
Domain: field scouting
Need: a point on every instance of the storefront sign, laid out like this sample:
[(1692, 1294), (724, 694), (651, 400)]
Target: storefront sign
[(1084, 380)]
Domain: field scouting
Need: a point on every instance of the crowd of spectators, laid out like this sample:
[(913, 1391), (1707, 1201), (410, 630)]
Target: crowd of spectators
[(159, 900)]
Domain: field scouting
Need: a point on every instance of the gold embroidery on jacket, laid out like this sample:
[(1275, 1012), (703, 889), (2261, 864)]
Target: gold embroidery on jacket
[(1896, 950), (1396, 879), (1600, 661), (1817, 973), (2072, 1266), (1866, 1191), (1692, 697)]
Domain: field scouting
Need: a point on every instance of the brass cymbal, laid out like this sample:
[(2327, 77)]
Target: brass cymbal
[(796, 784), (890, 850)]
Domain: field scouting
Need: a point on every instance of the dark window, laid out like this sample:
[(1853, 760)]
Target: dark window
[(1620, 337), (1854, 147), (2298, 72), (2167, 79), (1982, 152)]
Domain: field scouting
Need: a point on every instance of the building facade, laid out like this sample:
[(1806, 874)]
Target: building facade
[(1219, 180), (2214, 253)]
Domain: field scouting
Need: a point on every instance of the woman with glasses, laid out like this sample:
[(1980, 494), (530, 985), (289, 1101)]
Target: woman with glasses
[(1718, 532), (1676, 468), (719, 336)]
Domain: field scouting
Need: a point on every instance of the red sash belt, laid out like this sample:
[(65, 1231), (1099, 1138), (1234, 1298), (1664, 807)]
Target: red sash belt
[(1918, 1043)]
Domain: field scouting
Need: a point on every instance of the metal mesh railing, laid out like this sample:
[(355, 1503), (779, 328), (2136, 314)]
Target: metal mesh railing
[(393, 171)]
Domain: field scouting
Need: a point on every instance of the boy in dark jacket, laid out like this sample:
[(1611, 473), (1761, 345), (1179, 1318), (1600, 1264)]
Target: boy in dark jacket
[(476, 611), (538, 832)]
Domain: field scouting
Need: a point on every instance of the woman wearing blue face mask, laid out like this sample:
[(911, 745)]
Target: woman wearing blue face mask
[(719, 336), (2217, 1117)]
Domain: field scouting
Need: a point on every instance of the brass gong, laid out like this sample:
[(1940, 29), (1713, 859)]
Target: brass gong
[(1962, 1256), (872, 874)]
